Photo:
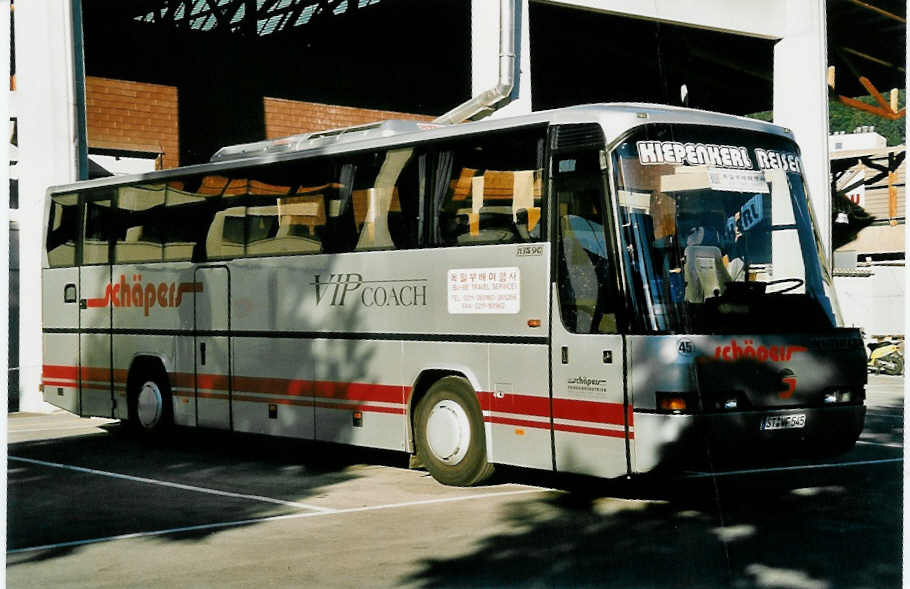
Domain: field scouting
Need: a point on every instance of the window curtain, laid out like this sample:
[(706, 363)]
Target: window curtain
[(444, 162)]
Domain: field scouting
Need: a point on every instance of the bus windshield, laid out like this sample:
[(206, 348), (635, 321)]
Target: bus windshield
[(717, 233)]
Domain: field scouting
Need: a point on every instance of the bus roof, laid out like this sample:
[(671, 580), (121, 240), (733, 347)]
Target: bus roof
[(615, 118)]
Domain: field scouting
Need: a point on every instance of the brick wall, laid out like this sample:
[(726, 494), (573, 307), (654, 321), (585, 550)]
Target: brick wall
[(133, 116), (289, 117)]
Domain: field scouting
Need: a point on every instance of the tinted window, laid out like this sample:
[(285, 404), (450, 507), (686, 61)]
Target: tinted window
[(99, 229), (63, 230), (487, 190), (588, 295)]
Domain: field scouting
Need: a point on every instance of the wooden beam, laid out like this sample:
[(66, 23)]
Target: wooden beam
[(878, 10), (872, 58), (876, 110)]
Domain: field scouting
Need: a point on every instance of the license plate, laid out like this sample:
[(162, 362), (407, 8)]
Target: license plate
[(784, 422)]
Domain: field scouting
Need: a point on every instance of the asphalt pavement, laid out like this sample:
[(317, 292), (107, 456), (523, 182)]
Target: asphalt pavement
[(91, 506)]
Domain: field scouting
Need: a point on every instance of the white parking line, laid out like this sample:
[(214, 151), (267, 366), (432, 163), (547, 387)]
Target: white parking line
[(180, 486), (885, 444), (274, 518), (701, 475), (56, 429)]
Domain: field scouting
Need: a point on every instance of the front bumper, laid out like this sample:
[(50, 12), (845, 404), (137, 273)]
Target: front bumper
[(678, 441)]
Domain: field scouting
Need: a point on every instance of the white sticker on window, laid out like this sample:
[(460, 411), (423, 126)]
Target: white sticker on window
[(737, 180), (484, 290)]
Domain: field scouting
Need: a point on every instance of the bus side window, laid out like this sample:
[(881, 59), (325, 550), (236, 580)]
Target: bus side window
[(98, 230), (378, 209), (489, 191), (139, 235), (63, 230), (587, 294)]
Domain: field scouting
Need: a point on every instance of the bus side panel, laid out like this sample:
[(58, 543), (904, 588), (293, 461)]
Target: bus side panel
[(61, 346), (359, 396), (126, 348), (520, 405), (272, 386), (182, 380), (469, 359), (95, 341), (152, 315)]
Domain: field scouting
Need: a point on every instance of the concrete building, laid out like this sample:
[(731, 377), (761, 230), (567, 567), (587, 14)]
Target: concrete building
[(160, 83)]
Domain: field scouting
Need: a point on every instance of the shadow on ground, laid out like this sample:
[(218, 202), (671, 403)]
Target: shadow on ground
[(819, 530), (49, 505), (806, 524)]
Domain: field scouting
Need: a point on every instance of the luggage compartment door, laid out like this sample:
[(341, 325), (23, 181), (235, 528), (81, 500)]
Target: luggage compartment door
[(212, 322)]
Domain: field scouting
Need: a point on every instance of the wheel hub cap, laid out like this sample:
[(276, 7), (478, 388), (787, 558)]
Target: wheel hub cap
[(448, 432), (149, 405)]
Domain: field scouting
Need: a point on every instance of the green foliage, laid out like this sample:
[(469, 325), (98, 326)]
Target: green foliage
[(846, 118)]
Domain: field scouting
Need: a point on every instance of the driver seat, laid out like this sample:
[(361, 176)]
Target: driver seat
[(705, 273)]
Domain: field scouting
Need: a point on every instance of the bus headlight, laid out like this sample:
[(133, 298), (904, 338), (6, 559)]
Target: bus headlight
[(839, 395)]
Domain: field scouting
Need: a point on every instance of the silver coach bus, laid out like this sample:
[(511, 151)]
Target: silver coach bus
[(603, 289)]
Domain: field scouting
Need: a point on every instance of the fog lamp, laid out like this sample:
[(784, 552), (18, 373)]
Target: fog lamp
[(671, 402)]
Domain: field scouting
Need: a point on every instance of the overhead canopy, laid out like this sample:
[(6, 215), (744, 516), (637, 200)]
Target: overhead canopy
[(414, 56)]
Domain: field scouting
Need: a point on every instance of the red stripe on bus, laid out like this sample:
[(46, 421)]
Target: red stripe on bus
[(576, 410), (359, 391), (361, 407), (212, 382), (100, 302), (591, 411), (301, 403), (519, 422), (593, 431), (64, 372), (282, 386), (60, 383), (248, 399), (96, 374), (186, 380), (212, 396)]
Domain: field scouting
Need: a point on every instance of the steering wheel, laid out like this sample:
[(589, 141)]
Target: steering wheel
[(797, 282)]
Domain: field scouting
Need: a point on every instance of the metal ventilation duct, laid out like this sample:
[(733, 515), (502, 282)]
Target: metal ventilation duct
[(491, 99)]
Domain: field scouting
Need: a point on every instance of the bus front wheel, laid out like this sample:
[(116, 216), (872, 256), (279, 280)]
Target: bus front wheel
[(449, 434), (150, 407)]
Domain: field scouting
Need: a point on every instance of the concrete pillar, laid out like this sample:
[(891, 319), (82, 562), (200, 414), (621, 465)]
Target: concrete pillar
[(801, 99), (485, 54), (47, 156)]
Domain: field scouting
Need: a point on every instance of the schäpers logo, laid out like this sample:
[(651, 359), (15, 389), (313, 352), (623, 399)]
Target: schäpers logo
[(145, 295), (788, 380)]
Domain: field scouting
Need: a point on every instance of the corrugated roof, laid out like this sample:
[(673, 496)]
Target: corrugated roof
[(272, 16)]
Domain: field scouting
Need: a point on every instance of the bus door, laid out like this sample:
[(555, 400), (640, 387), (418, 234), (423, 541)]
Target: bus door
[(212, 322), (590, 430), (95, 305)]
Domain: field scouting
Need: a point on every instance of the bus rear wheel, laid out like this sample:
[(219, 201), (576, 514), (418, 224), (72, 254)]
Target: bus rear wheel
[(151, 409), (449, 434)]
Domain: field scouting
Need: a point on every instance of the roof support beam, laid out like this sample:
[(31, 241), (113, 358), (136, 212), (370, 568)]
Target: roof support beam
[(880, 11), (223, 19)]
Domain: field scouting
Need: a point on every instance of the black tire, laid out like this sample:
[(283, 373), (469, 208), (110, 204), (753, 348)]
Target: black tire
[(460, 454), (149, 400)]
